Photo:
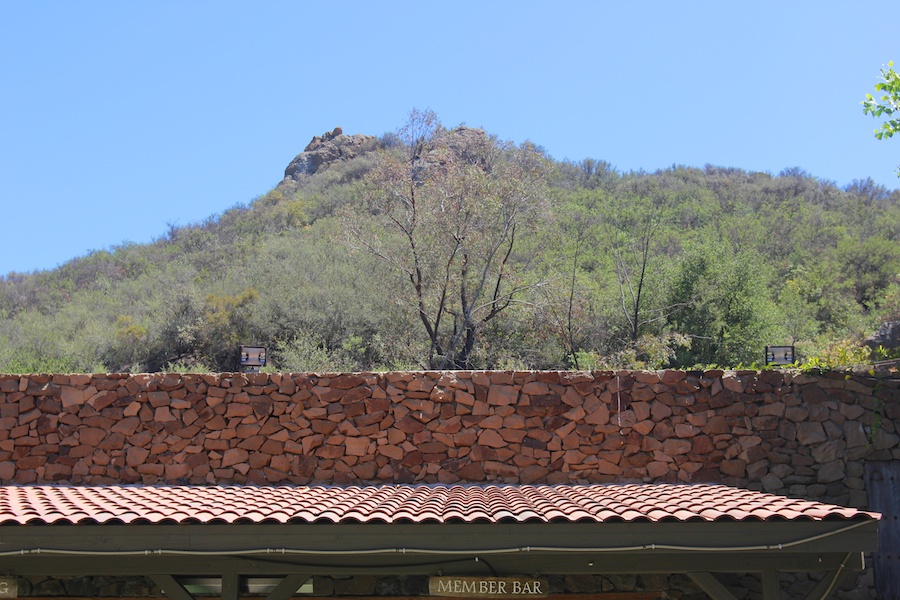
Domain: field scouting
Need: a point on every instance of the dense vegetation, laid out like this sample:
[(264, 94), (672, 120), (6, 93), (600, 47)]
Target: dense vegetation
[(452, 249)]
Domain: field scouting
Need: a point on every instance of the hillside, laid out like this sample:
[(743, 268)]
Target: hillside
[(432, 248)]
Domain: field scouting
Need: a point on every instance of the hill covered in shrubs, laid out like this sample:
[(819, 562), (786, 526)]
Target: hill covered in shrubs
[(437, 248)]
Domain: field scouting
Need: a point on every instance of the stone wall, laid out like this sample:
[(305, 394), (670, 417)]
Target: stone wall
[(795, 434)]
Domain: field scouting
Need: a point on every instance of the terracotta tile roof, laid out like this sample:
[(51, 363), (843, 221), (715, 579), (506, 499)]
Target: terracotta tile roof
[(406, 503)]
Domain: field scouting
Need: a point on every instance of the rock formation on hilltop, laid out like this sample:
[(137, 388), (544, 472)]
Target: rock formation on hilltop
[(471, 145), (330, 147)]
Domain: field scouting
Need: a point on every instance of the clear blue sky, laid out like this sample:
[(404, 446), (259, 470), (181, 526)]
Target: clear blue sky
[(118, 119)]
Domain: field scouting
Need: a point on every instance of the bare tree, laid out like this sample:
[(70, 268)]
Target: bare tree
[(447, 208), (636, 234), (631, 254)]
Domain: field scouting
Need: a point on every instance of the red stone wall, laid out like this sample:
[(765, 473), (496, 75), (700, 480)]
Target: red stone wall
[(798, 434)]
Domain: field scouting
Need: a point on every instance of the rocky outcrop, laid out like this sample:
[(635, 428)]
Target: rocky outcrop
[(470, 145), (887, 335), (326, 149)]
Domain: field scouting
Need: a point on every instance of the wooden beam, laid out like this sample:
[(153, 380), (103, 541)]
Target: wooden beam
[(288, 587), (278, 565), (771, 586), (170, 587), (712, 586), (231, 589), (823, 536)]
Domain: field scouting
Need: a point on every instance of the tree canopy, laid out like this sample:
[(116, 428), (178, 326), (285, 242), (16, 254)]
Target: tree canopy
[(887, 104)]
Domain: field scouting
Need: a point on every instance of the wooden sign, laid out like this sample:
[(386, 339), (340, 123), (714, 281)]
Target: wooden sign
[(488, 587), (9, 587)]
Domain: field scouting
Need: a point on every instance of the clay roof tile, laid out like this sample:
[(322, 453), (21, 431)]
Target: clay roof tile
[(405, 503)]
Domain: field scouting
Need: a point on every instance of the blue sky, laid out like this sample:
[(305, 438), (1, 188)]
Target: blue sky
[(119, 119)]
